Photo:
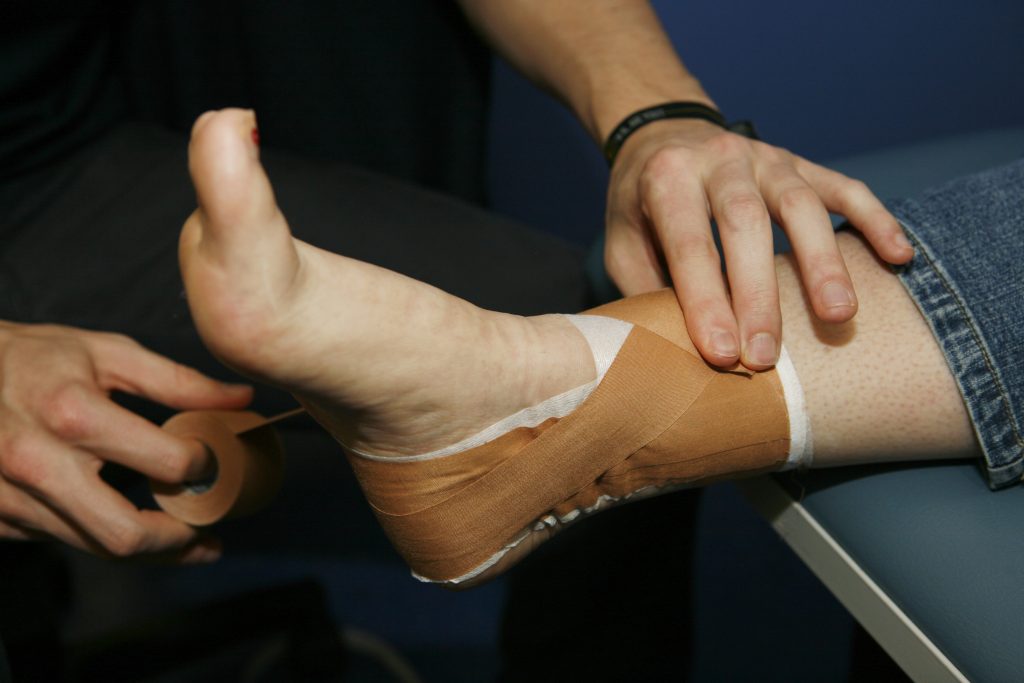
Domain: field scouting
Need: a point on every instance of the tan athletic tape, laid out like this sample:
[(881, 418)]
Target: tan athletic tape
[(661, 417), (250, 466)]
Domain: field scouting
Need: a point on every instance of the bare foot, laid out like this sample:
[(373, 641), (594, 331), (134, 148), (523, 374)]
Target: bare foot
[(452, 415), (388, 364)]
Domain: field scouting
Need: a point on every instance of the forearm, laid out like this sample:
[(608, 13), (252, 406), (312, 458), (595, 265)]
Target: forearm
[(604, 58)]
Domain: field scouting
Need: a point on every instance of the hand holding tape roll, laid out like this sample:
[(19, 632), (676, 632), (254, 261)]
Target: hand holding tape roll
[(248, 465)]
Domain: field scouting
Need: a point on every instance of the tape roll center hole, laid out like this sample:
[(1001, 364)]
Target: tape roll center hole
[(205, 481)]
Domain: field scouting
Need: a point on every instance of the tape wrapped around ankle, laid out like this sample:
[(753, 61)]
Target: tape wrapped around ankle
[(660, 418), (249, 467)]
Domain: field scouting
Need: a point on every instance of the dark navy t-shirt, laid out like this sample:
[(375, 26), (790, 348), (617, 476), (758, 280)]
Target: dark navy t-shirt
[(57, 85)]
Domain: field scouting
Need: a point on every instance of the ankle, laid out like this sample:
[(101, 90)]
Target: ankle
[(555, 357)]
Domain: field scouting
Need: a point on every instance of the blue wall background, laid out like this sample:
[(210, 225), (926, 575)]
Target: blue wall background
[(825, 80)]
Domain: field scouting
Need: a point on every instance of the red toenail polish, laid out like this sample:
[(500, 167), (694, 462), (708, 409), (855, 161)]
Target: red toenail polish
[(256, 136)]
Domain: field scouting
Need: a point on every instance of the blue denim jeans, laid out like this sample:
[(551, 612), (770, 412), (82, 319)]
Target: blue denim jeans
[(967, 278)]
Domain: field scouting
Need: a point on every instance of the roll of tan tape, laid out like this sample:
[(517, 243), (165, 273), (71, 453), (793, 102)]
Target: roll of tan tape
[(249, 462)]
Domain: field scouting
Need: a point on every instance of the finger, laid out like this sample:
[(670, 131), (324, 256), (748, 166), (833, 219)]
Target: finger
[(87, 418), (122, 530), (11, 532), (745, 229), (40, 523), (207, 549), (800, 212), (855, 201), (631, 260), (66, 479), (681, 222), (28, 518), (125, 365)]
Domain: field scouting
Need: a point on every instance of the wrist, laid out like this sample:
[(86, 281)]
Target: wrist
[(606, 113), (685, 115), (655, 134), (687, 112)]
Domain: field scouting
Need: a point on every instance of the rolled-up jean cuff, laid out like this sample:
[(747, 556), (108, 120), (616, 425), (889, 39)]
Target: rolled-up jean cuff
[(963, 343)]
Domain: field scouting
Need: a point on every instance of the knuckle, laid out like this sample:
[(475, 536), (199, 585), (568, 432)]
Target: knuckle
[(759, 301), (667, 161), (124, 540), (66, 412), (613, 264), (795, 197), (853, 192), (690, 246), (122, 340), (778, 156), (743, 213), (175, 465), (624, 279), (22, 461), (663, 169), (618, 261), (857, 187), (704, 310), (725, 145), (116, 341)]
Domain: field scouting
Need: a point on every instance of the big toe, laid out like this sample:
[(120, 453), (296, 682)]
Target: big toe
[(238, 258), (237, 219)]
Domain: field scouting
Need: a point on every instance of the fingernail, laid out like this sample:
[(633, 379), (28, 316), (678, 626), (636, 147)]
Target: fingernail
[(835, 295), (901, 241), (256, 136), (723, 344), (209, 552), (762, 349)]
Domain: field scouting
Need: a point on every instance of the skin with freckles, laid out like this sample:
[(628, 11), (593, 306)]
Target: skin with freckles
[(877, 387), (392, 366)]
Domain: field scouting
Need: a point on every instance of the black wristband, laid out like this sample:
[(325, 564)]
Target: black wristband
[(669, 110)]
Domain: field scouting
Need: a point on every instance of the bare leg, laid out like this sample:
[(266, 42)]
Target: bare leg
[(393, 367), (877, 387)]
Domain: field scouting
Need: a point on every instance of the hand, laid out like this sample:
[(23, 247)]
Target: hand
[(671, 176), (58, 427)]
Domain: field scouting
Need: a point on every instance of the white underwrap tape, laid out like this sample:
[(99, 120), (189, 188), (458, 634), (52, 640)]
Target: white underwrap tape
[(605, 337), (801, 445)]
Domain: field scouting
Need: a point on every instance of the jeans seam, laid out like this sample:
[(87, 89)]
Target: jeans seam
[(979, 344)]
